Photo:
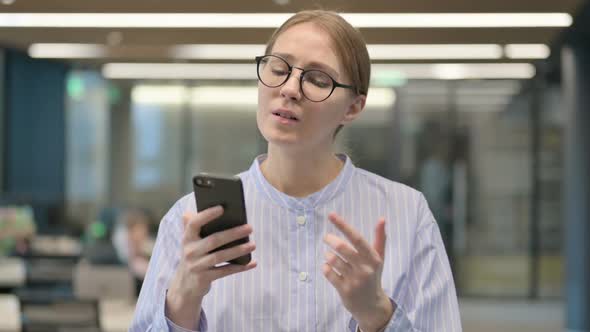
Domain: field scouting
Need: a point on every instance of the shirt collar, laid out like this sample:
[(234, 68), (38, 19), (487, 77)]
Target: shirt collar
[(302, 203)]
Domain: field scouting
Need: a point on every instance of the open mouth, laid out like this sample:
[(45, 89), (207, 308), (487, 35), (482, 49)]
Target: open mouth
[(285, 116)]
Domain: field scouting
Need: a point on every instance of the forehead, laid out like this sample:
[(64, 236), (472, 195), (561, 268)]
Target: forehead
[(307, 43)]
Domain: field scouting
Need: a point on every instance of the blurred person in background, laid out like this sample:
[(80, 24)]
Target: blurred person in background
[(435, 179), (133, 242), (323, 257)]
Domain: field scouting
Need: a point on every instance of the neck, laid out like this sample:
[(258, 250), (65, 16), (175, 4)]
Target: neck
[(300, 174)]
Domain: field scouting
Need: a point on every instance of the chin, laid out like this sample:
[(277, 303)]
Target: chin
[(276, 135), (278, 138)]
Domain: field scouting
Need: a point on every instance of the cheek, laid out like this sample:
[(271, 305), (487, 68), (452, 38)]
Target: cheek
[(260, 121), (332, 114), (263, 100), (260, 95), (265, 96)]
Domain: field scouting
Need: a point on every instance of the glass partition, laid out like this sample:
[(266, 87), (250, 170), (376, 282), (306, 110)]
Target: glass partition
[(87, 143)]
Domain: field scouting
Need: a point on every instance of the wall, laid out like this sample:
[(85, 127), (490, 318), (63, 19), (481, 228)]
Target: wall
[(34, 140)]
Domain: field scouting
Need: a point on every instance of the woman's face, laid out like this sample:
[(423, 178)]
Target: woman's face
[(305, 46)]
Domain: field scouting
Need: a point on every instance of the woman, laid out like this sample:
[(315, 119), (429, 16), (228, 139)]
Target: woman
[(316, 223)]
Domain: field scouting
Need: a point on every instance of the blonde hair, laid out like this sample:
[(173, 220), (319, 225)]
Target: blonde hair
[(347, 43)]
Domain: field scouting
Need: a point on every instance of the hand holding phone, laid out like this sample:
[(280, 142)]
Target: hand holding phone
[(198, 268)]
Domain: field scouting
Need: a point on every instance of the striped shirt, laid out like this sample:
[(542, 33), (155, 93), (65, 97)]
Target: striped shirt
[(287, 290)]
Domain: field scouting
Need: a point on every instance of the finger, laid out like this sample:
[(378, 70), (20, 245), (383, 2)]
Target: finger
[(355, 238), (185, 218), (342, 248), (199, 219), (333, 277), (226, 255), (337, 263), (218, 239), (224, 271), (380, 237)]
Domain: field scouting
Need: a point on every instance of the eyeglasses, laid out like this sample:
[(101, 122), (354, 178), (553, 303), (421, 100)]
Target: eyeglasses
[(315, 85)]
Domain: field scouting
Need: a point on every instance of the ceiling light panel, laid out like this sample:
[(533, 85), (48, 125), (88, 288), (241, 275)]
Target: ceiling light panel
[(67, 51), (527, 51), (204, 71), (438, 51), (273, 20), (442, 71)]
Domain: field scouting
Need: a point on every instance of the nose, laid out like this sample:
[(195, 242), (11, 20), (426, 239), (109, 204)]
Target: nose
[(291, 89)]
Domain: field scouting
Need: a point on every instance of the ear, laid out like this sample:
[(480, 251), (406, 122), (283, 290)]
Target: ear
[(355, 108)]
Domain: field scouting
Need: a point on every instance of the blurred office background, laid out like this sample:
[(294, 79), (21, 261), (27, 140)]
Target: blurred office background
[(104, 119)]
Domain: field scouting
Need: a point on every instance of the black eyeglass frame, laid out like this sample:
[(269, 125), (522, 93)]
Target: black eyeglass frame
[(335, 84)]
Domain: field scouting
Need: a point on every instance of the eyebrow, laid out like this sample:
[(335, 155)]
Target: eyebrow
[(312, 64)]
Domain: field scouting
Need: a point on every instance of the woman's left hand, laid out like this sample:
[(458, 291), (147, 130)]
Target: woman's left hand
[(356, 271)]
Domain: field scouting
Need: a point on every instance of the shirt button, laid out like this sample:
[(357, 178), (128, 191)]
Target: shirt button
[(302, 276), (301, 220)]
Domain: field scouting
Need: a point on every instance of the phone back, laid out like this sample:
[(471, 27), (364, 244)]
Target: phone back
[(211, 190)]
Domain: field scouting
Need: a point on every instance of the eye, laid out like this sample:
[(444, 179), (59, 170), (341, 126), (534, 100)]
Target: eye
[(318, 79), (278, 67), (279, 70)]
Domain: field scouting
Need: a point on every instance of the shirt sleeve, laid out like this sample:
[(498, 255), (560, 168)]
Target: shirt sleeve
[(175, 328), (150, 309), (429, 301)]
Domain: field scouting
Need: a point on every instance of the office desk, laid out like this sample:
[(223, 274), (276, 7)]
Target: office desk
[(49, 271), (116, 315), (10, 313), (56, 246), (12, 272)]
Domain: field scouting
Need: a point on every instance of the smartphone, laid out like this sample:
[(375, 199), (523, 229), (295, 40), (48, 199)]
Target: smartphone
[(211, 190)]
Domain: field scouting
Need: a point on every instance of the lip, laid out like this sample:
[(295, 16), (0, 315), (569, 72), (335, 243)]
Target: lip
[(286, 115)]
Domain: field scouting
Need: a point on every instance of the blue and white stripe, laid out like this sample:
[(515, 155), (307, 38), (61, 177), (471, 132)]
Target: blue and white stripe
[(287, 290)]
